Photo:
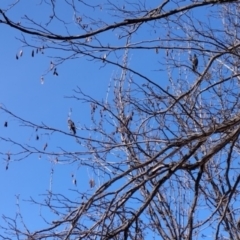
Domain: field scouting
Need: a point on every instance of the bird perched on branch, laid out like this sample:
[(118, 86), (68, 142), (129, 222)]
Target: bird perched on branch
[(194, 62), (72, 126)]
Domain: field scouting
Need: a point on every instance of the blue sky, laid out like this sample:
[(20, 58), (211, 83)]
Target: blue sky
[(22, 93)]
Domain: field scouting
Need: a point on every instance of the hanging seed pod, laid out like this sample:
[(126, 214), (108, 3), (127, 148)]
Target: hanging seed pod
[(37, 137), (41, 49), (104, 57), (6, 124), (21, 53), (42, 80), (55, 72), (51, 65), (71, 126), (32, 53), (157, 50), (45, 146), (16, 56), (75, 182), (8, 159), (92, 183)]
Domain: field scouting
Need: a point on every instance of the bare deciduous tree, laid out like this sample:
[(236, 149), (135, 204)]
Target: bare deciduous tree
[(164, 145)]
